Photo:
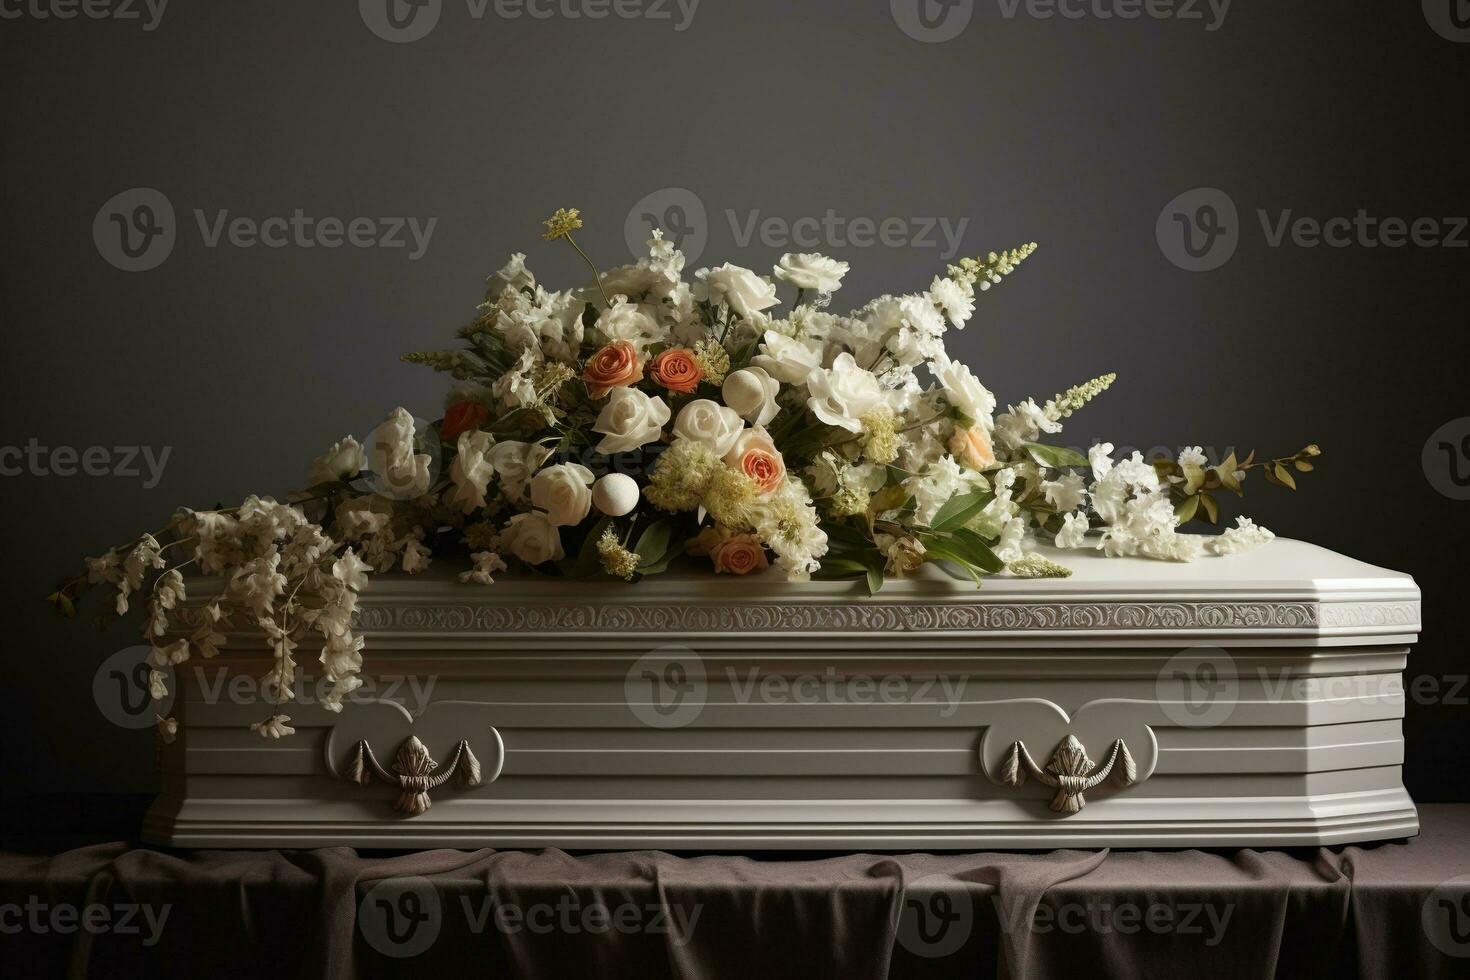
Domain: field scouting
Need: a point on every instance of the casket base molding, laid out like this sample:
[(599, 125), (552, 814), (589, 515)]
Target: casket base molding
[(1324, 821)]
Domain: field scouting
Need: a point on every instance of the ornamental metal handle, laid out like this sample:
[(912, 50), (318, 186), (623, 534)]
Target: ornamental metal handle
[(1070, 771), (413, 771)]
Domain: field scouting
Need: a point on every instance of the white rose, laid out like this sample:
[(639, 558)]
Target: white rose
[(743, 290), (842, 395), (401, 472), (630, 419), (711, 423), (471, 470), (514, 462), (627, 321), (564, 492), (808, 270), (964, 390), (787, 360), (532, 538), (752, 393), (344, 459)]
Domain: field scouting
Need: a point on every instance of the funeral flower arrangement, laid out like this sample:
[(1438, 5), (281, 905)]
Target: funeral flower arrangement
[(611, 429)]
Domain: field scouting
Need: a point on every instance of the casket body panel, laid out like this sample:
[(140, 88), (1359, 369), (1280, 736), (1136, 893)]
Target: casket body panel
[(1258, 700)]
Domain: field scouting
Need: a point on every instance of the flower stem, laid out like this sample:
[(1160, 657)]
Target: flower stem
[(596, 276)]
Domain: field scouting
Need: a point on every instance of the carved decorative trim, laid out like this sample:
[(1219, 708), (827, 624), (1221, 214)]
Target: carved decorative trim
[(1345, 614), (413, 772), (881, 617), (1070, 772), (857, 617)]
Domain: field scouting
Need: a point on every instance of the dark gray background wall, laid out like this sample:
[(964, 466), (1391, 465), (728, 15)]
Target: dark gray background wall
[(245, 361)]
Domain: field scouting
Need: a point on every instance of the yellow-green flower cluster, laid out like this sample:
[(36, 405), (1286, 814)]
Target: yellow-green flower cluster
[(1032, 565), (617, 561), (987, 271), (680, 476), (713, 361), (730, 496), (451, 362), (688, 475), (880, 436), (550, 376), (563, 223), (1063, 405)]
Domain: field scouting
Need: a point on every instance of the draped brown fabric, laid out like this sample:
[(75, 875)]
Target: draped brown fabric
[(1391, 910)]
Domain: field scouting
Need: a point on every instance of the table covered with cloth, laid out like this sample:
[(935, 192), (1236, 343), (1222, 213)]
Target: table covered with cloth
[(119, 909)]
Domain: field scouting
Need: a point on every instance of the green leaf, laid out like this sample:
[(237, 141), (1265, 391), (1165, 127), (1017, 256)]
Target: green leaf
[(1184, 510), (1054, 455), (974, 549), (653, 543), (943, 557), (1284, 475), (842, 538), (1212, 510), (1226, 472), (957, 511), (841, 568), (875, 579)]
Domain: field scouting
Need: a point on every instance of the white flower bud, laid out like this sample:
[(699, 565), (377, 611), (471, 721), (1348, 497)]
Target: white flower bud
[(615, 494), (752, 392)]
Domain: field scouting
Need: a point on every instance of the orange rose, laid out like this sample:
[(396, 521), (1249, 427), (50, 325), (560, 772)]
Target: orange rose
[(612, 367), (739, 554), (757, 457), (462, 417), (676, 370), (972, 447)]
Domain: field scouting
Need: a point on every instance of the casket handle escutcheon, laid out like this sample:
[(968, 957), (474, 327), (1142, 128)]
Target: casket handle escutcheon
[(1070, 772), (414, 771)]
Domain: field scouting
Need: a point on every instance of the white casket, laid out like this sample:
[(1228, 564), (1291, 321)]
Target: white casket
[(1252, 700)]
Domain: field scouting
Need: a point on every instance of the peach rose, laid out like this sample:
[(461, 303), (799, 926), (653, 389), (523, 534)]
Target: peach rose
[(757, 457), (739, 554), (972, 447), (676, 370), (461, 417), (612, 367)]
